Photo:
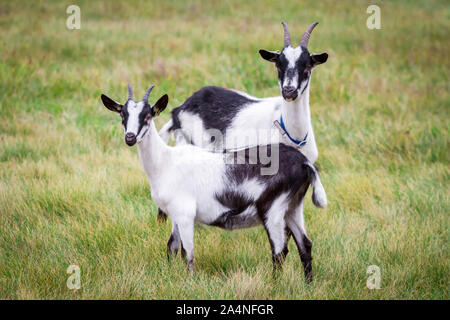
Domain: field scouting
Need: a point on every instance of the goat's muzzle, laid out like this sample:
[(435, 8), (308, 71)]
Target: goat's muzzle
[(289, 93), (130, 139)]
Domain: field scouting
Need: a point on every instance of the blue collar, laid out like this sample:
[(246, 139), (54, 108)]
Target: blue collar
[(299, 143)]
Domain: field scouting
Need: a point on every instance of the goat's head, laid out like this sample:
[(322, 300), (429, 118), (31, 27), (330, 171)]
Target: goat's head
[(136, 116), (294, 64)]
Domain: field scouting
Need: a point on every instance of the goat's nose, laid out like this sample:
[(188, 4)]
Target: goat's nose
[(130, 139), (289, 92)]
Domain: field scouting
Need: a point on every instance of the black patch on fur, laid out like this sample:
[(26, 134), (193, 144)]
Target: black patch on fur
[(216, 106), (237, 203), (145, 111), (293, 177), (124, 114)]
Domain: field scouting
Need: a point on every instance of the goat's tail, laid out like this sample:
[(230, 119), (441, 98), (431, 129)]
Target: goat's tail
[(165, 131), (319, 197)]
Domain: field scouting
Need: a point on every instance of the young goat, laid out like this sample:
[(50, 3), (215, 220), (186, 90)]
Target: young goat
[(194, 185)]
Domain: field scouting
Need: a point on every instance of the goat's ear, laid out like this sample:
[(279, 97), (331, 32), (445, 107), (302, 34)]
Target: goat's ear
[(319, 58), (111, 104), (271, 56), (160, 105)]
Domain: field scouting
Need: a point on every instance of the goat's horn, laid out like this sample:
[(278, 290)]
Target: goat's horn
[(147, 94), (305, 38), (130, 93), (287, 36)]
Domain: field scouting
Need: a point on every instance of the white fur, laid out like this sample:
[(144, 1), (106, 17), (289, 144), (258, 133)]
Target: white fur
[(184, 182), (292, 55), (276, 224), (318, 191), (257, 119), (134, 109), (164, 131)]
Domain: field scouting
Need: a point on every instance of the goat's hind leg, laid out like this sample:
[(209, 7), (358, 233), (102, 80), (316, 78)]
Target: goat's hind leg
[(295, 222), (278, 234), (187, 241)]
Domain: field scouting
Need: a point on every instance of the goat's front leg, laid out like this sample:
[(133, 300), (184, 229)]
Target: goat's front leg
[(187, 240), (182, 212)]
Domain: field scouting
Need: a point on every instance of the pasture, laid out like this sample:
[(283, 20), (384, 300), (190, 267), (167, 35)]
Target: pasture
[(72, 192)]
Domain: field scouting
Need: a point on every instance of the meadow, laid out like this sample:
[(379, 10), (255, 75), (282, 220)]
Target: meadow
[(72, 192)]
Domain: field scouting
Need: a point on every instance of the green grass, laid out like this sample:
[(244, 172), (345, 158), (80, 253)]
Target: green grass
[(71, 191)]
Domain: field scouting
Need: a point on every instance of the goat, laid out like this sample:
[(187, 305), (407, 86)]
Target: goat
[(232, 113), (194, 185), (227, 119)]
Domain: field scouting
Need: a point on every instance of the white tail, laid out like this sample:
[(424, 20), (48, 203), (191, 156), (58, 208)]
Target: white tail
[(319, 197)]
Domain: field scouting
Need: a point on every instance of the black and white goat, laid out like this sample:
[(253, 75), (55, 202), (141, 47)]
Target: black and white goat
[(194, 185), (235, 115), (217, 118)]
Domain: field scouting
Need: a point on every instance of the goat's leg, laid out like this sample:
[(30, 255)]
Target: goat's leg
[(296, 223), (275, 226), (162, 216), (288, 237), (174, 242), (182, 213), (187, 240)]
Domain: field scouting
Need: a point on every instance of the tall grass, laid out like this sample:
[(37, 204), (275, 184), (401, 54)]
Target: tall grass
[(71, 192)]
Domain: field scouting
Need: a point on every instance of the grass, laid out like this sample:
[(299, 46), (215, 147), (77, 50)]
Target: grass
[(71, 192)]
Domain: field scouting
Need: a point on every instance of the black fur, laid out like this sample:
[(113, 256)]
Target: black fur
[(307, 258), (237, 203), (294, 176), (215, 106)]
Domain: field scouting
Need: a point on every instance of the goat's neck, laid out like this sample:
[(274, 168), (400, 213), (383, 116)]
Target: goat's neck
[(296, 116), (153, 152)]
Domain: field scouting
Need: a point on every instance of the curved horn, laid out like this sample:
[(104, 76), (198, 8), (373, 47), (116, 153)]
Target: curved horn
[(147, 94), (130, 93), (305, 38), (287, 36)]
